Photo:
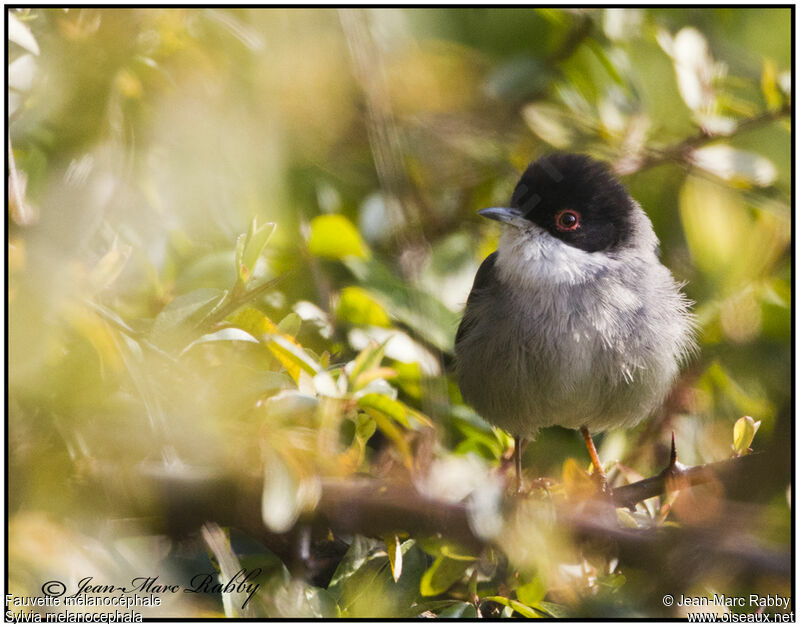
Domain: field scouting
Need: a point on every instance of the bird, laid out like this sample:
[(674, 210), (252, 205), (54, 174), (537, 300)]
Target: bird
[(573, 320)]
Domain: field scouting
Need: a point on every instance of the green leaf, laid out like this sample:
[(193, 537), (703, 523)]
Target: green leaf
[(600, 54), (520, 608), (393, 433), (461, 609), (532, 592), (473, 433), (769, 85), (354, 455), (555, 610), (363, 584), (184, 309), (290, 325), (442, 574), (292, 357), (357, 306), (393, 409), (358, 553), (249, 248), (472, 586), (368, 359), (213, 269), (254, 322), (365, 427), (438, 546), (230, 334), (371, 376), (422, 311), (743, 433), (333, 236)]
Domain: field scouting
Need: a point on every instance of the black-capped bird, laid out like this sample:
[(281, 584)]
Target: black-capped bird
[(573, 321)]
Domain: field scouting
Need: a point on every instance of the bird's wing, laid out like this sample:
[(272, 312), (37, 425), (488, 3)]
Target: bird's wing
[(483, 279)]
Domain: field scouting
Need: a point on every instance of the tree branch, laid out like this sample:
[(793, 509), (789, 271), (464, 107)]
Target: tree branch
[(179, 504), (678, 476), (681, 151)]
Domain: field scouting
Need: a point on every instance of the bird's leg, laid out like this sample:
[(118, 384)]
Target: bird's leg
[(519, 444), (598, 468)]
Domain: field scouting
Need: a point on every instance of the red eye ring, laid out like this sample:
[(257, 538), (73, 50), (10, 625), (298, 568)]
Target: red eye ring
[(568, 220)]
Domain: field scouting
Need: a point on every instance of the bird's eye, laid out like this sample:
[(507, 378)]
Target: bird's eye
[(568, 220)]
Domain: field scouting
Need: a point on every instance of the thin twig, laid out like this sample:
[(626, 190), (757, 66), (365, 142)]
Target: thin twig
[(240, 300), (682, 150)]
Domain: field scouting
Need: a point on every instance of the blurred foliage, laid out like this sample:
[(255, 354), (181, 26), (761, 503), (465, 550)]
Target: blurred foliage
[(240, 240)]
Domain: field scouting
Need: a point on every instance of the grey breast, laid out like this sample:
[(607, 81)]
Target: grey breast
[(567, 355)]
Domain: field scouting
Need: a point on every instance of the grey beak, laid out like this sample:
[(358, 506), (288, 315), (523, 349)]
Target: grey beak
[(501, 214)]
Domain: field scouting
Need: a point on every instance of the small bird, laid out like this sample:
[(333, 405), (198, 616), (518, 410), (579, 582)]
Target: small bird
[(572, 321)]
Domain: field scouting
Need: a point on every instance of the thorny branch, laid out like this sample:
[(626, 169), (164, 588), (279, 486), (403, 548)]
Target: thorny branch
[(183, 503)]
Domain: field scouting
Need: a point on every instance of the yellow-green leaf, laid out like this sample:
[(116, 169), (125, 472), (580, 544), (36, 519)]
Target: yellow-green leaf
[(393, 409), (442, 574), (368, 377), (418, 416), (250, 246), (743, 433), (290, 325), (552, 609), (335, 237), (292, 357), (520, 608), (368, 359), (532, 592), (769, 85), (358, 306), (393, 433), (255, 323)]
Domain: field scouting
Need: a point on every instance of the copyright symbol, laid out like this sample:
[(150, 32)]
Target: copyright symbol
[(668, 600), (53, 588)]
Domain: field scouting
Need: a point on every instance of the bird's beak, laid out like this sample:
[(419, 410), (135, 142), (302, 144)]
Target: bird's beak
[(502, 214)]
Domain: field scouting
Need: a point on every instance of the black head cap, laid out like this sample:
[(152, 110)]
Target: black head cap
[(577, 200)]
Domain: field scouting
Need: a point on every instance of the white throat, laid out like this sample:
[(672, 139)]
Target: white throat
[(529, 256)]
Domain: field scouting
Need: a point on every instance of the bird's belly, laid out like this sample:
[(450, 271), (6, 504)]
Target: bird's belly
[(521, 379)]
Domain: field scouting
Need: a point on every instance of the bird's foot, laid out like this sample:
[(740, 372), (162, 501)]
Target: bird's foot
[(602, 484), (597, 468)]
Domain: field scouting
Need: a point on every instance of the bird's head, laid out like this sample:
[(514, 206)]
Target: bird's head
[(567, 218)]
